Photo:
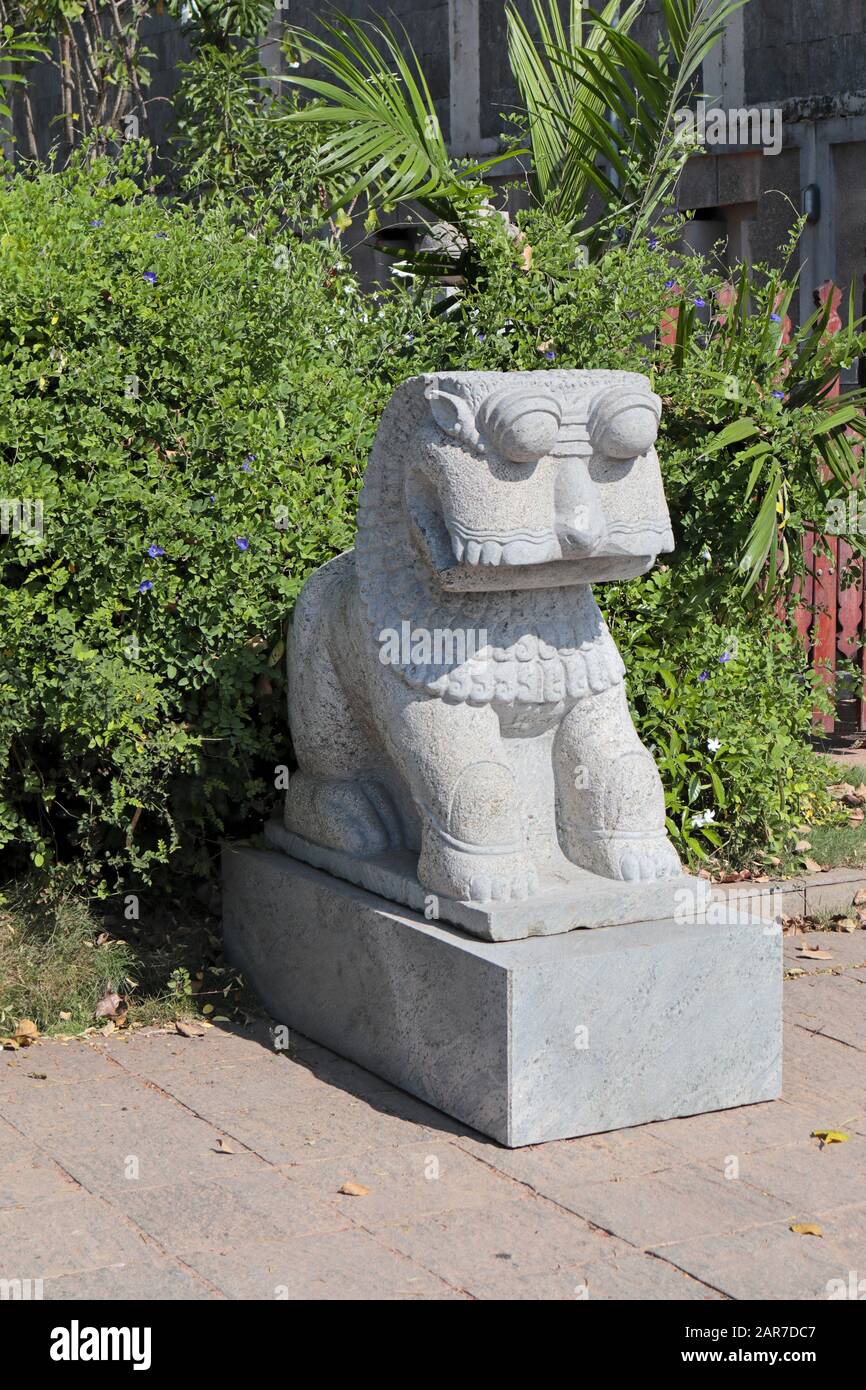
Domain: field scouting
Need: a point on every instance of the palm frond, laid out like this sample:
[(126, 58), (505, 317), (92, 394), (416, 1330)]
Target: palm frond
[(383, 137)]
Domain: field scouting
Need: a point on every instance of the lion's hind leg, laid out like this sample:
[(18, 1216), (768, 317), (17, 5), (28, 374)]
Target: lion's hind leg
[(355, 814)]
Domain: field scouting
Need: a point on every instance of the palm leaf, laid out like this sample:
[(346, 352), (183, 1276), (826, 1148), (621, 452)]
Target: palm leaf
[(383, 134)]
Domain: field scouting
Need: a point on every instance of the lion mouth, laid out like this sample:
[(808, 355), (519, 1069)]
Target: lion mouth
[(473, 547)]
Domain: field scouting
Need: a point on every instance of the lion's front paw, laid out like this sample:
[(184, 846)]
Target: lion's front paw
[(477, 877), (646, 859), (632, 858)]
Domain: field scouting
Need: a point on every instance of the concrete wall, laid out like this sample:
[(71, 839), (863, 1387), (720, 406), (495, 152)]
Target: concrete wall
[(803, 47)]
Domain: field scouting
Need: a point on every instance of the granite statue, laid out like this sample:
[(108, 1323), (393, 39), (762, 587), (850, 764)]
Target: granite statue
[(453, 688)]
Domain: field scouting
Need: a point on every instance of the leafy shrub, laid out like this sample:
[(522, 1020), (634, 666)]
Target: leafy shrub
[(190, 405), (192, 396)]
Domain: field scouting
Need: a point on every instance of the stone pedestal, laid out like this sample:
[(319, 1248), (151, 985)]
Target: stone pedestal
[(529, 1040)]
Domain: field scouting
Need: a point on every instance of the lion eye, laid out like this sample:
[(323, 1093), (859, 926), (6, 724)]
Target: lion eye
[(522, 427)]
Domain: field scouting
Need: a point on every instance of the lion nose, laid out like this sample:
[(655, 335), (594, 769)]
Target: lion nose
[(580, 522)]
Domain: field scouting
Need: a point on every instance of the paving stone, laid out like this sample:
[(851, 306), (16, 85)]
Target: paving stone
[(567, 1164), (329, 1123), (642, 1276), (249, 1229), (149, 1140), (522, 1249), (161, 1056), (767, 1262), (50, 1063), (832, 1176), (845, 1229), (712, 1138), (348, 1264), (33, 1178), (26, 1174), (140, 1282), (405, 1183), (66, 1236), (823, 1075), (667, 1206), (228, 1211), (832, 1005)]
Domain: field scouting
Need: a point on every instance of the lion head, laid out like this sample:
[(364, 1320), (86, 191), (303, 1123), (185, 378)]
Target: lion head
[(527, 479), (494, 499)]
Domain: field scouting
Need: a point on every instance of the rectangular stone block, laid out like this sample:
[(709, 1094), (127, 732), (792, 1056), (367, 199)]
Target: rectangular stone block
[(532, 1040)]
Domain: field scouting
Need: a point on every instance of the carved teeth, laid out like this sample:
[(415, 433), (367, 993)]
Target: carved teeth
[(473, 552), (457, 546), (491, 553)]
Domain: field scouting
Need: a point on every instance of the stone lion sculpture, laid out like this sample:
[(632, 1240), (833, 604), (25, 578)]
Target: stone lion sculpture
[(453, 688)]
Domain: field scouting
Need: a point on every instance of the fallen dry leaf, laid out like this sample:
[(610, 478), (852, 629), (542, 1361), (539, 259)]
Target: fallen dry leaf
[(860, 897), (110, 1005), (802, 845), (26, 1032), (188, 1029), (806, 1228), (830, 1136), (64, 1016), (223, 1148), (814, 953), (354, 1189), (813, 866)]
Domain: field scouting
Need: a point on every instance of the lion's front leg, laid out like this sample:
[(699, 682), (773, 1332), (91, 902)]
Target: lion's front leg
[(473, 845), (610, 801)]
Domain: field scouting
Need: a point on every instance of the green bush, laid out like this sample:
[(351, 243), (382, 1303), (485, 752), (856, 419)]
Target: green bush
[(192, 395), (190, 404)]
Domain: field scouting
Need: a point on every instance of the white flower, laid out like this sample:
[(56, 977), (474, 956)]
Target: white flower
[(709, 817), (714, 744), (697, 822)]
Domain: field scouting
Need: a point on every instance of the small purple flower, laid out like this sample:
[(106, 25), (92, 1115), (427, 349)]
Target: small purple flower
[(155, 552), (479, 335), (150, 277), (670, 284), (704, 676), (550, 355), (211, 499), (246, 467), (774, 318), (96, 221), (701, 303), (724, 658), (161, 236), (780, 395), (652, 242), (242, 543), (410, 337), (145, 586)]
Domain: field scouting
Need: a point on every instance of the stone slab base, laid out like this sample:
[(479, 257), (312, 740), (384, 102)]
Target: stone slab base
[(569, 897), (526, 1041)]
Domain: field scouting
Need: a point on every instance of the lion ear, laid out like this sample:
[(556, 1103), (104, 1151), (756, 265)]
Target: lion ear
[(452, 414)]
